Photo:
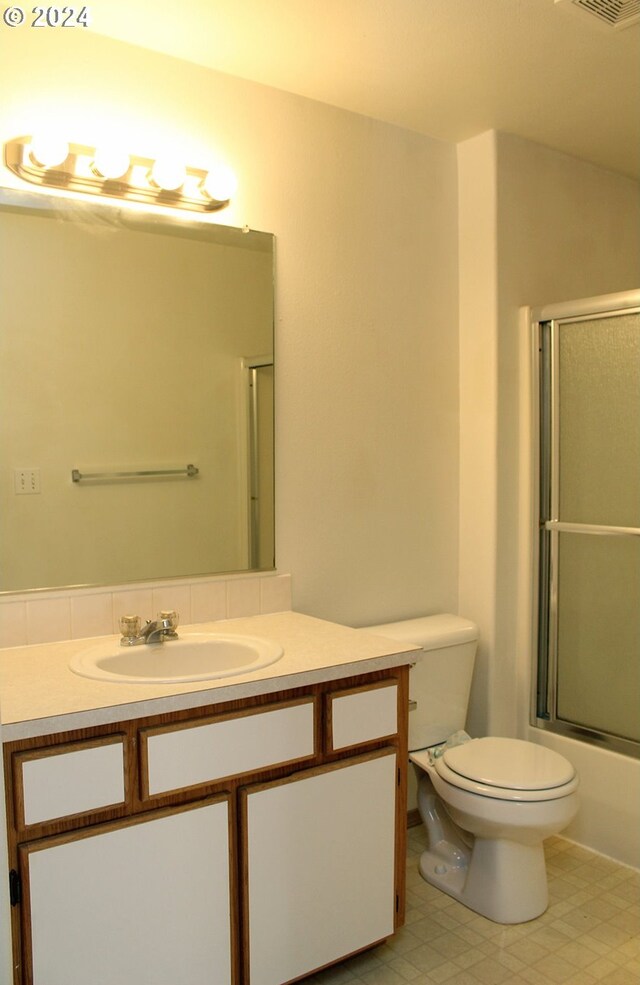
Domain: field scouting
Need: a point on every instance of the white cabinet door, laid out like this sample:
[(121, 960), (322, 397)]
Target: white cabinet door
[(320, 866), (145, 901)]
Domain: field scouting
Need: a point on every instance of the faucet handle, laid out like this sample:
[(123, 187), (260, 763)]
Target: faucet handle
[(169, 619), (130, 627)]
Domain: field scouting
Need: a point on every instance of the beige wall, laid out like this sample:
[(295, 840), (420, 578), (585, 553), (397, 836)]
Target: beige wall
[(536, 227), (566, 230), (477, 177), (545, 228), (364, 216), (366, 221), (366, 338)]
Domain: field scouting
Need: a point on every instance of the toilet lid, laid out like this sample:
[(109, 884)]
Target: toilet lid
[(511, 764)]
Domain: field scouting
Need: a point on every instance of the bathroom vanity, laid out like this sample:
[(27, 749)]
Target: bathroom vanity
[(242, 830)]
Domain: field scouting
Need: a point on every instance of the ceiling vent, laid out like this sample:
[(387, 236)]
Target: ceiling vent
[(616, 13)]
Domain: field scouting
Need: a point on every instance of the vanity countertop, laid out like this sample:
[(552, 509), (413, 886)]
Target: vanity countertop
[(39, 695)]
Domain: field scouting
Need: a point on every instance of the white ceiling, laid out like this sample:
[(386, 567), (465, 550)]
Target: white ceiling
[(450, 69)]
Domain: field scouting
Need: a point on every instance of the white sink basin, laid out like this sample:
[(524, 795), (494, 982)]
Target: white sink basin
[(193, 657)]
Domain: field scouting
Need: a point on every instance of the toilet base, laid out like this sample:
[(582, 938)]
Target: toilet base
[(504, 881)]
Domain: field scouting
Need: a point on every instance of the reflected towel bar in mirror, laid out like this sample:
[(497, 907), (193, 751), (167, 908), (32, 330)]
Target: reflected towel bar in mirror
[(189, 471)]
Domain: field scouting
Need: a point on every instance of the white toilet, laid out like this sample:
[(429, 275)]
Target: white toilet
[(501, 797)]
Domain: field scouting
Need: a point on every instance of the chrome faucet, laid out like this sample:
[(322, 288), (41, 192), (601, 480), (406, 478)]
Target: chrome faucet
[(154, 631)]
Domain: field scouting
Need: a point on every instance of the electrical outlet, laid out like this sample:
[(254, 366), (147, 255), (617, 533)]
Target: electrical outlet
[(26, 482)]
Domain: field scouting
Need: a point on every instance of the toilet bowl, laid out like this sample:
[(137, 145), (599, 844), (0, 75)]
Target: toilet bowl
[(487, 804), (508, 795)]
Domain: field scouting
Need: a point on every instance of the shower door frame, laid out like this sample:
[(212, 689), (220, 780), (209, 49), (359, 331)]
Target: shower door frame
[(545, 321), (251, 366)]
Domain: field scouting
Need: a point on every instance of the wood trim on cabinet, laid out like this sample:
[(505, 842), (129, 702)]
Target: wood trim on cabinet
[(234, 888), (360, 689), (245, 792), (17, 752), (138, 809), (104, 811), (402, 743), (29, 848), (335, 764), (145, 734), (331, 964)]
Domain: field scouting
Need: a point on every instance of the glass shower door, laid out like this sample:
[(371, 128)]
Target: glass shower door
[(589, 632)]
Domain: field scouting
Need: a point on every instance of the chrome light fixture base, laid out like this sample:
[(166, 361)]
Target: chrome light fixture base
[(78, 173)]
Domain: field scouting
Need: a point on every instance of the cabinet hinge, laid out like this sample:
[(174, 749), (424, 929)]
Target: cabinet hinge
[(397, 903), (15, 888), (399, 776)]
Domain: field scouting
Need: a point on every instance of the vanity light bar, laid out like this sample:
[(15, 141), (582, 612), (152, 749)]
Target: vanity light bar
[(93, 171)]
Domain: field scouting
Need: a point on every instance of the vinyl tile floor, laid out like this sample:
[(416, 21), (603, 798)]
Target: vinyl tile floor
[(589, 934)]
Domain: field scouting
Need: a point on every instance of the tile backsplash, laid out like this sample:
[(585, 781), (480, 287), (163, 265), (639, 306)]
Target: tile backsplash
[(76, 613)]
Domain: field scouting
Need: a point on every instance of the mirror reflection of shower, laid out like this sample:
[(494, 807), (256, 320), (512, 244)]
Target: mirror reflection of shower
[(588, 673), (260, 444)]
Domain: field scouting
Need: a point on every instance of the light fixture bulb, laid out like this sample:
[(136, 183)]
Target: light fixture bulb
[(110, 163), (168, 175), (220, 183), (48, 151)]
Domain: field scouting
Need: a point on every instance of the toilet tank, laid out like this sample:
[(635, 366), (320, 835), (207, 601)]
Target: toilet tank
[(440, 680)]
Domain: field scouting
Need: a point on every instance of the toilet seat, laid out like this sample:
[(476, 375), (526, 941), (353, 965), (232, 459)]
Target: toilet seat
[(505, 769)]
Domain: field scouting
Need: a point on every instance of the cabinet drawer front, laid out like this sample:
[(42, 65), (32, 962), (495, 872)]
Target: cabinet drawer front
[(363, 715), (68, 780), (187, 756)]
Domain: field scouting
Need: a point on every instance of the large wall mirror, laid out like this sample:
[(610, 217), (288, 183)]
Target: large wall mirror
[(136, 395)]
